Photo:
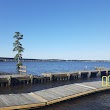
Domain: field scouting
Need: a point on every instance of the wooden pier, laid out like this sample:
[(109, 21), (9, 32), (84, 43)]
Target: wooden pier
[(18, 79), (49, 96)]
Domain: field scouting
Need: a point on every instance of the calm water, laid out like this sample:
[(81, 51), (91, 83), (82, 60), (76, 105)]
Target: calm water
[(99, 101), (45, 67)]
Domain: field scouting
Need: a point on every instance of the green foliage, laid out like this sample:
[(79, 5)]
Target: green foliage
[(20, 64), (18, 47), (16, 57)]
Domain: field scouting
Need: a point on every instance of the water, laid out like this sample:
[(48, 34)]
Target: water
[(37, 68), (41, 86), (99, 101)]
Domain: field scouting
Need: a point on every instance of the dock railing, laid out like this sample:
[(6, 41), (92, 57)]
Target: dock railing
[(106, 81)]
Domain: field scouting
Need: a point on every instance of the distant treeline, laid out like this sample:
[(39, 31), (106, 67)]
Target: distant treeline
[(3, 59)]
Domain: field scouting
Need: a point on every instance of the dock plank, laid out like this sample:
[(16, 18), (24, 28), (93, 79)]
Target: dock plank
[(95, 84), (48, 96)]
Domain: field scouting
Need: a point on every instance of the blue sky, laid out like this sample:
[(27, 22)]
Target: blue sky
[(59, 29)]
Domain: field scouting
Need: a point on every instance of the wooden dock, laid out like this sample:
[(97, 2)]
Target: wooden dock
[(18, 79), (49, 96)]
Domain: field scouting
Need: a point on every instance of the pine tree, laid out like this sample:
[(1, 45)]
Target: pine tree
[(18, 47)]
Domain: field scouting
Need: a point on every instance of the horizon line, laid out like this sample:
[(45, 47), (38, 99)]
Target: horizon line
[(55, 59)]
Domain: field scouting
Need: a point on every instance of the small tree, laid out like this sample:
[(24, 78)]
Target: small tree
[(18, 47)]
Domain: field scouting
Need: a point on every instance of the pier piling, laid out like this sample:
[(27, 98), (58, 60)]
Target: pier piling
[(13, 80)]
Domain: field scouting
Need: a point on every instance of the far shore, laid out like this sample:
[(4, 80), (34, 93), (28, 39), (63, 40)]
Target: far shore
[(7, 59)]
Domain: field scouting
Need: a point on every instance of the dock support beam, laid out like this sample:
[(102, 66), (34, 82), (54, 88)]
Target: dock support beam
[(31, 77), (99, 73), (106, 72), (79, 75), (68, 75), (51, 78), (89, 74), (9, 81)]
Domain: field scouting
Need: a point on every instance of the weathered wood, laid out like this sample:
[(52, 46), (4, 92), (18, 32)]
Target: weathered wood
[(49, 96), (22, 71), (31, 77), (9, 80), (26, 79), (22, 66)]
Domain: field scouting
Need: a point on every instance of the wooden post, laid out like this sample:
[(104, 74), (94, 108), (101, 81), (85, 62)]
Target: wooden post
[(51, 77), (68, 75), (31, 77), (24, 69), (89, 74), (79, 74), (9, 81), (106, 72), (99, 73)]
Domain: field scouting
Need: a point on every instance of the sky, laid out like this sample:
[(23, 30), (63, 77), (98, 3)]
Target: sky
[(56, 29)]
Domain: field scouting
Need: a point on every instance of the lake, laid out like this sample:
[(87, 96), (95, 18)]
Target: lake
[(37, 68)]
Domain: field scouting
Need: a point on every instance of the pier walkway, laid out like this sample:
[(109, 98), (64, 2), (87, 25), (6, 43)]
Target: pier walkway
[(13, 80), (49, 96)]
